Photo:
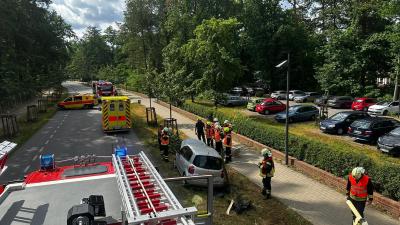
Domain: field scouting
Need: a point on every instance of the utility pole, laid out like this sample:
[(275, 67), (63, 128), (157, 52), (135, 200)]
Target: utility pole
[(282, 65), (287, 111), (396, 84)]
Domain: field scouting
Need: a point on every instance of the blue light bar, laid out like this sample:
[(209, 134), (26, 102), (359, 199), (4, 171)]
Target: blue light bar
[(121, 151), (47, 162)]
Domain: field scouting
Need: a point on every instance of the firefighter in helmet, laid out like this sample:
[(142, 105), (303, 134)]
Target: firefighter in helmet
[(267, 170)]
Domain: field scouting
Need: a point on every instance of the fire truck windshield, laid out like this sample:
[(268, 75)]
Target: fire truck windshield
[(106, 88)]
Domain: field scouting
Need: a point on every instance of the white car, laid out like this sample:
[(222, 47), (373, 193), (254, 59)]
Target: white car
[(384, 108), (295, 93), (278, 95), (196, 158)]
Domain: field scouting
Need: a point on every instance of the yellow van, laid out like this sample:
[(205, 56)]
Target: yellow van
[(116, 113), (84, 101)]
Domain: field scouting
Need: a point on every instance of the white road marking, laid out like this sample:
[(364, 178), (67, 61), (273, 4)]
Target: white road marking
[(41, 149), (58, 127), (34, 158), (55, 131), (51, 136), (27, 168), (46, 142)]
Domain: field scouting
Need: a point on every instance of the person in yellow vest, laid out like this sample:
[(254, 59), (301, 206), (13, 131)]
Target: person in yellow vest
[(228, 144), (165, 143), (218, 136), (209, 134), (359, 189), (267, 170)]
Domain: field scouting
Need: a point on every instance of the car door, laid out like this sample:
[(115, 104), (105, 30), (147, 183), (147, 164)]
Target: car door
[(180, 159), (394, 107), (186, 157)]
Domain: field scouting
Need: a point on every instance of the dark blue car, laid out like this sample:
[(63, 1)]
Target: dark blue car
[(298, 113), (340, 122)]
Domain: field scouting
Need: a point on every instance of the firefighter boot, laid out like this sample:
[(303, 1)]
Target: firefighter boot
[(264, 192), (268, 194)]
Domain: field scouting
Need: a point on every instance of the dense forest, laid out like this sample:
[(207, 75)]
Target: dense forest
[(185, 47), (33, 49), (180, 48)]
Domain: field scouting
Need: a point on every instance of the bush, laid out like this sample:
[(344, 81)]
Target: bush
[(338, 161)]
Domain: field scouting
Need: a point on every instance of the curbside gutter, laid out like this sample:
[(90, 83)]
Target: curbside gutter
[(389, 205)]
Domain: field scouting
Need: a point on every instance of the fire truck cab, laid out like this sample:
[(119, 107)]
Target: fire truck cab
[(78, 102), (116, 113), (104, 88)]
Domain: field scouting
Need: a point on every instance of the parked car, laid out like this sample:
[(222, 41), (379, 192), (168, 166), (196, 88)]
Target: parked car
[(384, 108), (371, 128), (196, 158), (237, 91), (340, 122), (270, 105), (248, 91), (390, 143), (341, 102), (307, 97), (233, 100), (298, 113), (323, 100), (362, 104), (251, 104), (279, 95), (294, 93)]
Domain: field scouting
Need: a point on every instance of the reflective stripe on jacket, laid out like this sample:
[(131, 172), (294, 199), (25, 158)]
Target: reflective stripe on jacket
[(209, 131), (358, 190), (217, 136), (228, 140), (164, 139), (263, 168)]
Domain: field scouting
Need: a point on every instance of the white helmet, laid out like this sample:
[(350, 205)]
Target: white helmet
[(226, 121), (358, 172), (266, 152), (215, 119)]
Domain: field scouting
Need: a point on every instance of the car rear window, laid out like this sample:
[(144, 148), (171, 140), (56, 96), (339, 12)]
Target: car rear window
[(363, 124), (359, 100), (208, 162)]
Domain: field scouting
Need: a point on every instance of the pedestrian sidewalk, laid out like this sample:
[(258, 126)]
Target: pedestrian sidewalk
[(316, 202)]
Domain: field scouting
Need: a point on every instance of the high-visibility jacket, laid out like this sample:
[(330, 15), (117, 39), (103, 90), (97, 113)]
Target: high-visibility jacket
[(164, 139), (209, 131), (217, 136), (228, 140), (264, 168), (358, 190)]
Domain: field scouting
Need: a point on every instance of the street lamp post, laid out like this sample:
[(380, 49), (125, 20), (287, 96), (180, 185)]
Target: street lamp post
[(280, 65)]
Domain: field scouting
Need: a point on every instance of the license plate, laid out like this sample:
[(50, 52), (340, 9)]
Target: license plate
[(357, 132), (323, 128)]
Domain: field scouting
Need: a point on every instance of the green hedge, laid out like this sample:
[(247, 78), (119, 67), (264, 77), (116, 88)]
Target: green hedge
[(338, 161)]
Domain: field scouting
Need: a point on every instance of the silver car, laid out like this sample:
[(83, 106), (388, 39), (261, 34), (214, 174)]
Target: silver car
[(307, 97), (196, 158), (233, 100), (279, 95), (295, 93)]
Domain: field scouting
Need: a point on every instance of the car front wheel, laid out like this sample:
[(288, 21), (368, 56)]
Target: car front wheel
[(266, 112), (385, 113), (340, 131)]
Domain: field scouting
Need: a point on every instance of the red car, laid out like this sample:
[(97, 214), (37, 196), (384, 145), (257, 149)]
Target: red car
[(362, 104), (270, 105)]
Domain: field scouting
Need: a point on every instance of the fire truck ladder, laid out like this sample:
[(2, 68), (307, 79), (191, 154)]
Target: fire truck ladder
[(146, 198)]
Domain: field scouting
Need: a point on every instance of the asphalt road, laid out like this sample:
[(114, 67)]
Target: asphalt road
[(69, 133)]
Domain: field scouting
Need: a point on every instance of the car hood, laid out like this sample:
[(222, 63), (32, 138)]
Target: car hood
[(329, 122), (390, 140), (377, 107)]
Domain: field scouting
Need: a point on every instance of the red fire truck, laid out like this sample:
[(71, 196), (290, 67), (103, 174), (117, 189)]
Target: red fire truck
[(103, 88)]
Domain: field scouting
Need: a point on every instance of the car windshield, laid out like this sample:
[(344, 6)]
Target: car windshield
[(359, 100), (383, 103), (208, 162), (363, 124), (339, 116), (395, 132), (293, 109)]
